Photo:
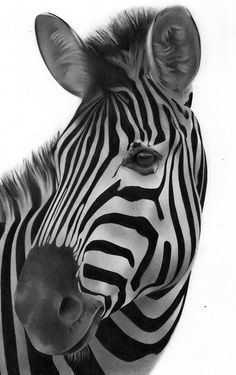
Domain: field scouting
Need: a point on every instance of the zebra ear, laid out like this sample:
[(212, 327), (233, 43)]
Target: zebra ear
[(63, 53), (173, 49)]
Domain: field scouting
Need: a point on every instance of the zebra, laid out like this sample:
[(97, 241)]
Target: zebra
[(99, 230)]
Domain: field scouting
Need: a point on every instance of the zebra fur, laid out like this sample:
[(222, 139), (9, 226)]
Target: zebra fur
[(35, 208)]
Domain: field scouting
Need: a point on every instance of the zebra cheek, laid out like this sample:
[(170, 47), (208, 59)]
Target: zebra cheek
[(127, 175)]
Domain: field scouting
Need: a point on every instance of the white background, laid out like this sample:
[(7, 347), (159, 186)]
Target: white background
[(33, 107)]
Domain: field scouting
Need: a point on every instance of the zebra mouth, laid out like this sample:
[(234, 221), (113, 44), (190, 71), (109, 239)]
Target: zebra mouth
[(87, 336)]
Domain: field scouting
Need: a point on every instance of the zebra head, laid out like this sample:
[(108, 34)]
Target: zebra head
[(124, 220)]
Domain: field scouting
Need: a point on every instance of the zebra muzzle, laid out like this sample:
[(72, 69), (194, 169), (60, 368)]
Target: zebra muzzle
[(57, 317)]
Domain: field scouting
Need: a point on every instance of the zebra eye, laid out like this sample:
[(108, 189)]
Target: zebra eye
[(142, 159), (145, 159)]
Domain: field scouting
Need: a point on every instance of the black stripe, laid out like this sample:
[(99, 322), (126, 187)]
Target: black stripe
[(2, 229), (109, 277), (194, 192), (157, 294), (202, 176), (156, 116), (20, 244), (9, 337), (172, 128), (112, 249), (190, 100), (135, 193), (194, 143), (175, 219), (106, 276), (107, 299), (165, 264), (143, 113), (124, 121), (204, 183)]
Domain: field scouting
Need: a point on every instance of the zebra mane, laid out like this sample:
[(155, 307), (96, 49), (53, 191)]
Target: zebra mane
[(27, 185), (116, 51), (129, 28)]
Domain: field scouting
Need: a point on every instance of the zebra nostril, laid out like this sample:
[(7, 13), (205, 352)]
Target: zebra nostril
[(70, 310)]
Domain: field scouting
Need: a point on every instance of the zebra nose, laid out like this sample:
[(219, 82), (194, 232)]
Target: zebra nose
[(70, 310), (47, 299), (56, 309)]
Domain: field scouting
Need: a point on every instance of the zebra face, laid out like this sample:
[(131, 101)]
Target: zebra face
[(125, 218)]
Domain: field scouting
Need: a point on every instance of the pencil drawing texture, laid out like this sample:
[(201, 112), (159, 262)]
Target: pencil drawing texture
[(100, 228)]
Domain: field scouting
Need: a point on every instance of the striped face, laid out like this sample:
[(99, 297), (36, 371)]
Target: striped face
[(127, 203), (130, 171)]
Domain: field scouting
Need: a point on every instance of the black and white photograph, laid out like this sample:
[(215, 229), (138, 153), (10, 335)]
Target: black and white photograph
[(117, 187)]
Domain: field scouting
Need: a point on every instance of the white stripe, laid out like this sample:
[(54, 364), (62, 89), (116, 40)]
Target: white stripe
[(61, 365)]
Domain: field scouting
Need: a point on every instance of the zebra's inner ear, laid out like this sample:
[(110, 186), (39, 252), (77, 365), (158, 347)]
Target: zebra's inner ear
[(63, 53), (173, 49)]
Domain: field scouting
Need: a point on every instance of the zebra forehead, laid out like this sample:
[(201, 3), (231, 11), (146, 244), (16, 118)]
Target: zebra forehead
[(120, 44)]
